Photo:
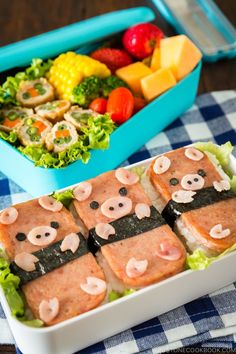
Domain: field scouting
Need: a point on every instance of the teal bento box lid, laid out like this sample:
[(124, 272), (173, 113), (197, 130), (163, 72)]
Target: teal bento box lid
[(204, 23), (81, 33)]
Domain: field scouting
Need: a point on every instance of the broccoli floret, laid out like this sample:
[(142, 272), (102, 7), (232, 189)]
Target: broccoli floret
[(87, 91), (110, 83)]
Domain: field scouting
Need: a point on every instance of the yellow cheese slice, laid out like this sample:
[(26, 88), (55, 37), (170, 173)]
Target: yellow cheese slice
[(179, 54), (156, 60), (132, 74), (156, 83)]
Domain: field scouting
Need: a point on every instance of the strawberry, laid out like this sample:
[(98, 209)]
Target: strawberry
[(113, 58), (140, 40)]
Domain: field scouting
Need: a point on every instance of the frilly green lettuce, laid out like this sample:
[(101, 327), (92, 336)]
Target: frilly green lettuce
[(95, 136), (64, 197), (10, 137), (8, 90), (221, 152), (222, 156), (10, 285), (114, 295), (199, 261)]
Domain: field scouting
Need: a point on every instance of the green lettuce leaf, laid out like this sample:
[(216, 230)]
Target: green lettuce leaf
[(233, 183), (10, 137), (222, 156), (64, 197), (8, 90), (36, 323), (199, 261), (97, 132), (10, 285), (114, 295), (95, 136), (221, 152)]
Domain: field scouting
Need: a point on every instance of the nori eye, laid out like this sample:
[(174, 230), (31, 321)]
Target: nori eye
[(38, 236), (195, 179), (174, 181), (121, 204), (54, 224), (111, 208), (21, 236), (201, 173), (123, 191), (94, 205), (47, 234), (189, 182)]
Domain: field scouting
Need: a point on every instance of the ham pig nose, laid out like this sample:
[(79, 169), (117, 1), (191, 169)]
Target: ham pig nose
[(192, 182), (116, 207)]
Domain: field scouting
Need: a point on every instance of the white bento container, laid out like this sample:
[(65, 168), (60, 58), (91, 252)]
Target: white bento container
[(109, 319)]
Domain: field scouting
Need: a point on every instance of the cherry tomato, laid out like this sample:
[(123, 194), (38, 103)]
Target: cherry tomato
[(120, 105), (139, 103), (99, 105)]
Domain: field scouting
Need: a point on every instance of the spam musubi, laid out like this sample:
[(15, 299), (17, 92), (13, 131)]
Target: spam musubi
[(60, 278), (135, 246), (196, 198)]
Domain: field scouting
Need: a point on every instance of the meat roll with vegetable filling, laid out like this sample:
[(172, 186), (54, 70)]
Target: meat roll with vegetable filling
[(34, 93), (11, 118), (197, 199), (33, 130), (53, 111), (62, 136)]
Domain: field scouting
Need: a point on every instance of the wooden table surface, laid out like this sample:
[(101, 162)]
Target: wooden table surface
[(20, 19)]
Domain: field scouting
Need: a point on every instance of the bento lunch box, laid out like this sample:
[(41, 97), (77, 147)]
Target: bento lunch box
[(126, 139), (111, 318)]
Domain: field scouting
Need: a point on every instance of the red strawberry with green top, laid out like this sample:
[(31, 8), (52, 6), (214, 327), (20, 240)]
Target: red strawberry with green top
[(140, 40), (113, 58)]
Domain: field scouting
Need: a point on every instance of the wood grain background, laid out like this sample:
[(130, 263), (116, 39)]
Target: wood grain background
[(20, 19)]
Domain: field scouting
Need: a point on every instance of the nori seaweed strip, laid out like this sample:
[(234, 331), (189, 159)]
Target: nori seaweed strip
[(50, 258), (125, 227), (203, 198)]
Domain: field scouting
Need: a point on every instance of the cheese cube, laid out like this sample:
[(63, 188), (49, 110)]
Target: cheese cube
[(179, 54), (156, 83), (132, 75), (156, 60)]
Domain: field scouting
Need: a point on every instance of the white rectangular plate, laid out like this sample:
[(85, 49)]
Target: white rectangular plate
[(109, 319)]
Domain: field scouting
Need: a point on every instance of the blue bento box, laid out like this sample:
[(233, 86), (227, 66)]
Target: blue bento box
[(126, 139)]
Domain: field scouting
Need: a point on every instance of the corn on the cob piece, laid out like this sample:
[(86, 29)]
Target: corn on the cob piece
[(69, 69)]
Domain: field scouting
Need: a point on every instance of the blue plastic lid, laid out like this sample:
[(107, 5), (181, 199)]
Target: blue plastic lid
[(52, 43), (204, 23)]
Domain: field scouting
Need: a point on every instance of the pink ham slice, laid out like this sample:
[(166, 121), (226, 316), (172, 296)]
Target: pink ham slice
[(104, 230), (126, 176), (26, 261), (218, 232), (221, 186), (135, 268), (193, 154), (142, 210), (192, 182), (71, 242), (161, 165), (94, 286), (116, 207), (42, 235), (182, 196), (49, 203), (48, 310), (82, 191), (168, 252), (8, 216)]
